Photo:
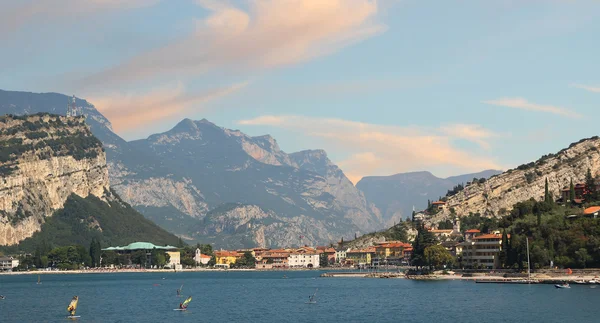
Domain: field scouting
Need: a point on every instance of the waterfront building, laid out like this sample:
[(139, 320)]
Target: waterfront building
[(482, 251), (201, 259), (277, 258), (304, 257), (226, 258), (147, 247), (8, 263), (329, 252), (340, 256), (174, 260), (360, 257), (390, 253)]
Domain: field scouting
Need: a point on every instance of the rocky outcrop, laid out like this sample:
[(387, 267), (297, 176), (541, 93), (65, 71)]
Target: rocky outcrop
[(499, 193), (162, 192), (348, 199), (238, 225), (43, 160)]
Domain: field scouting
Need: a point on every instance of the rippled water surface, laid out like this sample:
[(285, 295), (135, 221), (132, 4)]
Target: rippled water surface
[(268, 297)]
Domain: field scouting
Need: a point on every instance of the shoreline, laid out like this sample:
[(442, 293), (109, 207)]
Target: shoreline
[(165, 271)]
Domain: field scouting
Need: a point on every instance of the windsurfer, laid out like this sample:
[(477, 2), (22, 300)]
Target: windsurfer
[(73, 305)]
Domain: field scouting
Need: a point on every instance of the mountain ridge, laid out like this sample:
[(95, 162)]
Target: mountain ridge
[(396, 195), (499, 193)]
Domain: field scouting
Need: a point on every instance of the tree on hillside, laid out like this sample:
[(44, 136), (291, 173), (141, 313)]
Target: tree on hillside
[(436, 256), (590, 185), (547, 196), (95, 252)]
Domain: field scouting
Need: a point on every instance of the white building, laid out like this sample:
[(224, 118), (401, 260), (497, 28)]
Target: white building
[(200, 258), (340, 256), (174, 260), (304, 257), (8, 263)]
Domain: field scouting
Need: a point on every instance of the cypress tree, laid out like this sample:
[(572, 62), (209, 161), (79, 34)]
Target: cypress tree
[(546, 193), (572, 192), (95, 252), (504, 252), (590, 185)]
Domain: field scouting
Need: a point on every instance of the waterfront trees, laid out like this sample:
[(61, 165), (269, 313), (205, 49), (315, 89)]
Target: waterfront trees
[(423, 240), (436, 256)]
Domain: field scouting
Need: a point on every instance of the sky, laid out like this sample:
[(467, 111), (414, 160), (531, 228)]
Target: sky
[(384, 86)]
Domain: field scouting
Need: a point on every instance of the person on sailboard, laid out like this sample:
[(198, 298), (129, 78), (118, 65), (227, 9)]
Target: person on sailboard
[(73, 305), (184, 305)]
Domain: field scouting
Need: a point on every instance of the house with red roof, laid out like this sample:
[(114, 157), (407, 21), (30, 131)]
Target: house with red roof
[(482, 251)]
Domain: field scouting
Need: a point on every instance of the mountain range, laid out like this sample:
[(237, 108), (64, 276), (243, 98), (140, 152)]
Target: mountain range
[(215, 185)]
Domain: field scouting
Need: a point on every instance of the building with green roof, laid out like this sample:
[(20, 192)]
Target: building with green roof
[(145, 247)]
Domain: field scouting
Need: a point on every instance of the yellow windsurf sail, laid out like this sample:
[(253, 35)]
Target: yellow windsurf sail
[(186, 302), (73, 305)]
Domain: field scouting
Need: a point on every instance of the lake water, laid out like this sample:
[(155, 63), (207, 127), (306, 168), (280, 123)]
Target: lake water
[(267, 297)]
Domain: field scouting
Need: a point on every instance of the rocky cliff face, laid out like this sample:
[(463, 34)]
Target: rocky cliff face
[(348, 199), (396, 195), (498, 194), (43, 160), (238, 225)]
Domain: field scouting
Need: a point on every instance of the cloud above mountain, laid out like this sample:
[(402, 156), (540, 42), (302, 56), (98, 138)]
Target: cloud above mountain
[(523, 104), (381, 149), (129, 111), (265, 34)]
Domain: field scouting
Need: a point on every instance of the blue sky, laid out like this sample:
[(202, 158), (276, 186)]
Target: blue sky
[(384, 86)]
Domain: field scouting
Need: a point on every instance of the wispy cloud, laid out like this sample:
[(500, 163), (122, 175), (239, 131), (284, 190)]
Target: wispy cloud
[(269, 33), (383, 150), (591, 88), (523, 104), (17, 14), (130, 111)]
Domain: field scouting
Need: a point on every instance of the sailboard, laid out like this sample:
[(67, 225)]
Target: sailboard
[(183, 306), (39, 280), (311, 299), (179, 291), (73, 307)]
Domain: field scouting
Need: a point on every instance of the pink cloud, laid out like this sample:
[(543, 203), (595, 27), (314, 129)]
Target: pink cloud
[(269, 33), (131, 111), (523, 104), (383, 150)]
